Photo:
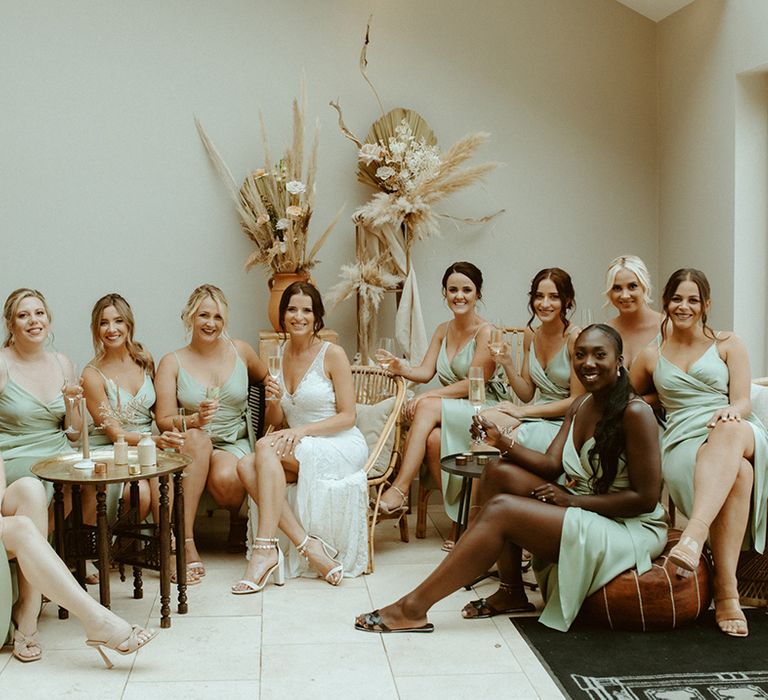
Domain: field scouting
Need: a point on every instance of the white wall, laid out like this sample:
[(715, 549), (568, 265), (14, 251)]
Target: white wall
[(105, 185), (714, 157)]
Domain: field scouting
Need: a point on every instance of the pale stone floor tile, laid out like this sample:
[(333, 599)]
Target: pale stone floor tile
[(212, 598), (197, 690), (326, 671), (456, 646), (460, 687), (325, 615), (203, 648)]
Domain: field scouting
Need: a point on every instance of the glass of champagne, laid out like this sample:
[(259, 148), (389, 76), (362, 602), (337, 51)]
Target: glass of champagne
[(274, 364), (385, 354), (71, 383), (496, 342), (587, 318), (476, 379)]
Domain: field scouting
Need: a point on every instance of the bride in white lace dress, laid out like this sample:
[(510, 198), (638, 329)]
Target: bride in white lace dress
[(307, 477)]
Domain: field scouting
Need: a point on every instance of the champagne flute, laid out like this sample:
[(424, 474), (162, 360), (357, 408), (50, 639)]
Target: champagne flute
[(586, 317), (212, 394), (71, 383), (274, 364), (496, 341), (385, 354), (476, 379)]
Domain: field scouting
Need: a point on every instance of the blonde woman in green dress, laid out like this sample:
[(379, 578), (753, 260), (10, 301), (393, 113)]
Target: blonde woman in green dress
[(714, 451), (209, 378), (545, 382), (440, 418), (22, 537)]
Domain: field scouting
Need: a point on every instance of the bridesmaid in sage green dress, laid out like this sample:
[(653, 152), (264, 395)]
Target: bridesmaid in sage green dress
[(209, 378), (440, 418), (546, 375), (605, 519), (714, 451)]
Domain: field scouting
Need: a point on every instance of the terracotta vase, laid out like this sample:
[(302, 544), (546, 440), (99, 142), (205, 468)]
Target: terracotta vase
[(278, 283)]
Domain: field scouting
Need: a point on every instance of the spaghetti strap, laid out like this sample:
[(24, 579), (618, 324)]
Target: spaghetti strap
[(178, 361), (94, 367)]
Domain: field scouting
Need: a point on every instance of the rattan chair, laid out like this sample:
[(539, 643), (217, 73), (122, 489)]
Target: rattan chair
[(372, 385), (426, 482)]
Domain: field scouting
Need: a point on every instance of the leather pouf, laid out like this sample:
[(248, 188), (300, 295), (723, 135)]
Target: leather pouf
[(657, 600)]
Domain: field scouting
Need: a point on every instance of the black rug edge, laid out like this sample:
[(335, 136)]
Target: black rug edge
[(532, 647)]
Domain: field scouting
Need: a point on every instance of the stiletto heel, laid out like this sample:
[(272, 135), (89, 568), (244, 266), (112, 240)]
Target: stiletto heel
[(686, 553), (386, 513), (195, 567), (334, 575), (278, 568), (132, 642)]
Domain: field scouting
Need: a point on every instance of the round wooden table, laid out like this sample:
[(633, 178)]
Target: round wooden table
[(467, 472), (148, 545)]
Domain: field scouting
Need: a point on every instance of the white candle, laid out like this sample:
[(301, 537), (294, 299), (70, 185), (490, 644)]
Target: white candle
[(84, 430), (117, 391)]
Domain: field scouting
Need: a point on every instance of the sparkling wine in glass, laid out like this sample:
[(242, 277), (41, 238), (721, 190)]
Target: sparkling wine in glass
[(496, 342), (476, 379), (274, 363), (71, 383), (385, 354)]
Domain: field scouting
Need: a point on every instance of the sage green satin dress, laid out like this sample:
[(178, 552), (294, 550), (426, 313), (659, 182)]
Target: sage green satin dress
[(690, 399), (456, 415), (228, 429), (594, 549), (552, 384)]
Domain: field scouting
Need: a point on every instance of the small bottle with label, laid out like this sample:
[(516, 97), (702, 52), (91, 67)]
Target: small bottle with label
[(147, 451), (121, 450)]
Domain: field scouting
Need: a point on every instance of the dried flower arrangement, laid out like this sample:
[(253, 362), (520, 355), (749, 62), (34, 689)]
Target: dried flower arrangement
[(400, 158), (275, 203)]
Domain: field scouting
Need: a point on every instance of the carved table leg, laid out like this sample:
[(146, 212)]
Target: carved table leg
[(178, 525), (138, 590), (165, 555), (58, 524), (102, 544)]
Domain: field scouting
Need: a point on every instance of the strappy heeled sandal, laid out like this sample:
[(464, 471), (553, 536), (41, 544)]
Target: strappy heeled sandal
[(686, 553), (733, 614), (195, 566), (23, 645), (132, 643), (335, 575), (247, 586), (386, 513)]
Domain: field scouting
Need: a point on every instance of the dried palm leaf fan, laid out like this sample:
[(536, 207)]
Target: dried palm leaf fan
[(384, 128), (752, 577)]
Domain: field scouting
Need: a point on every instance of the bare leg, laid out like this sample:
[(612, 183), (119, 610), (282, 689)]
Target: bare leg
[(197, 444), (223, 481), (262, 476), (717, 466), (432, 456), (47, 573), (523, 521), (427, 418), (726, 535), (27, 497)]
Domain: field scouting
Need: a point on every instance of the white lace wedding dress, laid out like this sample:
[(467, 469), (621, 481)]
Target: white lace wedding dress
[(330, 498)]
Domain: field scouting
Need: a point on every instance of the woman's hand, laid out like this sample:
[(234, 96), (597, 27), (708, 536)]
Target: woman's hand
[(486, 430), (285, 441), (727, 414), (272, 389), (552, 493), (169, 440), (206, 411), (510, 409), (410, 407), (500, 354), (72, 390)]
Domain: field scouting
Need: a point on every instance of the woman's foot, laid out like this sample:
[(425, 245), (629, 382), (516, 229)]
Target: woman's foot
[(393, 504), (320, 556), (393, 618), (508, 599), (194, 562), (261, 565), (26, 647), (115, 633), (730, 617), (686, 553)]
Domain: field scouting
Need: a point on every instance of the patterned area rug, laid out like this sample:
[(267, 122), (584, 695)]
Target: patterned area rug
[(693, 662)]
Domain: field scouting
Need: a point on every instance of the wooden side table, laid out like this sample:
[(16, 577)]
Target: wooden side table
[(75, 542), (270, 336)]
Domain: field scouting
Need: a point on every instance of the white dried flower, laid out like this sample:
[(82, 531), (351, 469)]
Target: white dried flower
[(293, 211), (369, 153), (295, 187), (282, 224), (263, 219), (385, 172), (283, 247)]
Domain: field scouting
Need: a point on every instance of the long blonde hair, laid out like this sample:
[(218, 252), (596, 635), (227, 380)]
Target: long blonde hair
[(135, 349), (12, 306), (198, 296)]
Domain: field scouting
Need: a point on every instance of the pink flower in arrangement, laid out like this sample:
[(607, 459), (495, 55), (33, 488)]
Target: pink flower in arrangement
[(263, 219), (293, 211)]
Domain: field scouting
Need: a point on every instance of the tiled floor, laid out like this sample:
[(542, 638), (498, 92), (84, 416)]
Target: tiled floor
[(291, 642)]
